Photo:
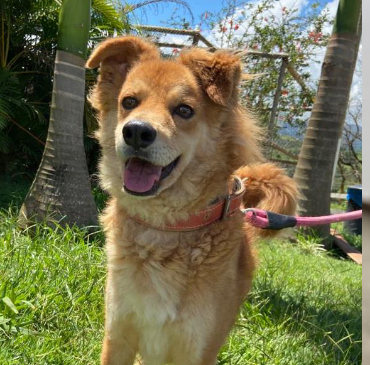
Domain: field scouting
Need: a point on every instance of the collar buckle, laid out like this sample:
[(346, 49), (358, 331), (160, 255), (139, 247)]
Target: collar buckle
[(226, 210)]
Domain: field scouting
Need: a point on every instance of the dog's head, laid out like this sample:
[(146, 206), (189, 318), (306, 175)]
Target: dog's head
[(160, 118)]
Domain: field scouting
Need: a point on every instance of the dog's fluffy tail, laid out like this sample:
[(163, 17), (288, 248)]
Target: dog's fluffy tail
[(268, 188)]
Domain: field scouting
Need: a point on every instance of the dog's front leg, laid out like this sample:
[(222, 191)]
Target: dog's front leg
[(118, 351), (120, 343), (121, 339)]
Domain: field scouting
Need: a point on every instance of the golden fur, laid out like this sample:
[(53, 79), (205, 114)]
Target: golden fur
[(173, 296)]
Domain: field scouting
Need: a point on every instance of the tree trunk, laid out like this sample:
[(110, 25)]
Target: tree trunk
[(317, 159), (61, 189)]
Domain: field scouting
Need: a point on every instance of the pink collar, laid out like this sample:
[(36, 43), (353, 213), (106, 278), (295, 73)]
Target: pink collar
[(222, 209)]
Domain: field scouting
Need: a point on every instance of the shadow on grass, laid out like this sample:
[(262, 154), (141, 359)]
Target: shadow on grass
[(335, 333)]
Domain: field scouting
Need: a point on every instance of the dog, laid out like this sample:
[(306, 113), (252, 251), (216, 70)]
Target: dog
[(176, 143)]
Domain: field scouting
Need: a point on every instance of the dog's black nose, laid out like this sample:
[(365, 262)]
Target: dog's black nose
[(139, 134)]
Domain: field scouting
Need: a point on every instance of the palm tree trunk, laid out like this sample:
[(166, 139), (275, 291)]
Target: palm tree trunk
[(317, 159), (61, 189)]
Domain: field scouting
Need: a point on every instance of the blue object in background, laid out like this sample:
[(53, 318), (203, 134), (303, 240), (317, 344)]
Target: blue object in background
[(354, 193), (354, 202)]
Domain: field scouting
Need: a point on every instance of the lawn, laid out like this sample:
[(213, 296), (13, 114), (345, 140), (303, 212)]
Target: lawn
[(305, 306)]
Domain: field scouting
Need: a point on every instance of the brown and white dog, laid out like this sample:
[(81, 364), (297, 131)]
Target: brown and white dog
[(173, 135)]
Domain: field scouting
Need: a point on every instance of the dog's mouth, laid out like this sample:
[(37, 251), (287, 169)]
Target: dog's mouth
[(143, 178)]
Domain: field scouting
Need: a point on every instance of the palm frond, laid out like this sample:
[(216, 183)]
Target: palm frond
[(11, 100), (110, 18), (10, 96), (132, 7)]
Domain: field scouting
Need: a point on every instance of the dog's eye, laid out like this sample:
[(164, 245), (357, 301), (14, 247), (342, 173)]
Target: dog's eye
[(184, 111), (130, 102)]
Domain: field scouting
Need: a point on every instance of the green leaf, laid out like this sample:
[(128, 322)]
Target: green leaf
[(10, 304), (4, 320), (108, 16)]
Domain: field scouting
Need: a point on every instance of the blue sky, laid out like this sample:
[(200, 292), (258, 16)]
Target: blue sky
[(156, 15)]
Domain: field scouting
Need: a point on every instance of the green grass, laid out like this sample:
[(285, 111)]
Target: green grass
[(51, 290), (353, 239), (338, 205), (304, 308)]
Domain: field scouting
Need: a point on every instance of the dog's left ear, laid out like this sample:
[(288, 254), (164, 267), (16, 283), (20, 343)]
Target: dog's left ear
[(219, 72)]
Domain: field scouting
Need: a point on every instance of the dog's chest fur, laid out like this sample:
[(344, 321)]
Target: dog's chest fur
[(154, 274)]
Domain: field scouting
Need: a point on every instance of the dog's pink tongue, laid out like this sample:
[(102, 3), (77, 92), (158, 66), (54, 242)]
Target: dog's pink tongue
[(140, 176)]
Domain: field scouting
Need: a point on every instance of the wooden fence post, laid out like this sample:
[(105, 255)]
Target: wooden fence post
[(277, 97)]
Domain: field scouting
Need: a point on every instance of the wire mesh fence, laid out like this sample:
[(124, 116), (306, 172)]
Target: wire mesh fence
[(170, 40)]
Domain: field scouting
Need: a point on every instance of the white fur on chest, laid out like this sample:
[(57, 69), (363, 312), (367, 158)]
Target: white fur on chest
[(146, 295), (145, 283)]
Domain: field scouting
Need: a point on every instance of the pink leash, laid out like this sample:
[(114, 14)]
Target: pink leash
[(269, 220)]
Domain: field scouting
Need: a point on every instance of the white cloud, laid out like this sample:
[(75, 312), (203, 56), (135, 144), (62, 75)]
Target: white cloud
[(332, 10), (277, 11), (279, 5)]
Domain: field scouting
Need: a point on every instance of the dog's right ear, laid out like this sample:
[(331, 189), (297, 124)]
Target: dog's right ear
[(116, 56)]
